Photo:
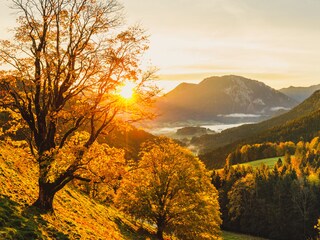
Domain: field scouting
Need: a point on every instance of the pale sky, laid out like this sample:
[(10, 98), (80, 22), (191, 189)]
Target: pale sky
[(274, 41)]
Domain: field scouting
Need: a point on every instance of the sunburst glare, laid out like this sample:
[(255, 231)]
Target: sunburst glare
[(127, 90)]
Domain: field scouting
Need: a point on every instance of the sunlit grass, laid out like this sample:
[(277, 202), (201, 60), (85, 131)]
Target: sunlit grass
[(270, 162), (76, 215)]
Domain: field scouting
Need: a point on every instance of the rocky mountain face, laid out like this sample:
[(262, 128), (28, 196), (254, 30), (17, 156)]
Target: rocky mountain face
[(223, 99), (299, 93)]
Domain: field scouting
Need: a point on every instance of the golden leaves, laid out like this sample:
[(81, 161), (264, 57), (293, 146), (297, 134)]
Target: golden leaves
[(171, 185)]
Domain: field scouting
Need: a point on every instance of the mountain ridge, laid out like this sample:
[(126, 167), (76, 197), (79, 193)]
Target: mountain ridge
[(202, 102), (300, 93)]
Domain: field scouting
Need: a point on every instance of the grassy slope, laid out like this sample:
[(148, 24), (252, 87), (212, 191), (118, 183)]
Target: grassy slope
[(76, 216), (270, 162)]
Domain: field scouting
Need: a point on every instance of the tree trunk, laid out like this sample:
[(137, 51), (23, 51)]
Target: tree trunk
[(45, 197), (160, 229), (160, 234), (47, 190)]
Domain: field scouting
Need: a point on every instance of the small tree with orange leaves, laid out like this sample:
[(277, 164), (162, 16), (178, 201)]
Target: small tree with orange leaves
[(62, 73), (171, 189)]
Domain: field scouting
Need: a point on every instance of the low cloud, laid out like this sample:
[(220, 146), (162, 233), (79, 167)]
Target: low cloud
[(240, 115), (279, 108)]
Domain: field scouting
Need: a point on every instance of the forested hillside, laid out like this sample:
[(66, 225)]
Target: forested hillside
[(281, 202), (301, 122)]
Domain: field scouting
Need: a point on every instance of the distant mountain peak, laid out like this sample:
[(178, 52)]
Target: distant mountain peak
[(225, 77), (217, 96), (300, 93)]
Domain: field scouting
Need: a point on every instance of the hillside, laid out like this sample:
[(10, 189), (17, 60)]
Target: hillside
[(299, 93), (301, 121), (223, 99), (128, 139), (76, 215)]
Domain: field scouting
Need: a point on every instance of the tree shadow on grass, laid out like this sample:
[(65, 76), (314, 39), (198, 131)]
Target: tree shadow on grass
[(17, 222)]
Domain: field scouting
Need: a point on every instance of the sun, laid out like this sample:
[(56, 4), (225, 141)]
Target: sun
[(127, 90)]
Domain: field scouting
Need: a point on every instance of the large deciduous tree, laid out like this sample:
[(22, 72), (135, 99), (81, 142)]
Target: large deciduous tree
[(62, 72), (171, 189)]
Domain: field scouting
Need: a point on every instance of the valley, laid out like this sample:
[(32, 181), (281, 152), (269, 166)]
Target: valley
[(292, 121)]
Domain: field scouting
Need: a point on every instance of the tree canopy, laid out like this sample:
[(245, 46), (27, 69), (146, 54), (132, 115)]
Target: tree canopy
[(171, 189), (63, 71)]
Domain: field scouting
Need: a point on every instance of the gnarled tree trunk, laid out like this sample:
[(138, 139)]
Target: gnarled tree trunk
[(47, 192), (45, 197), (47, 189)]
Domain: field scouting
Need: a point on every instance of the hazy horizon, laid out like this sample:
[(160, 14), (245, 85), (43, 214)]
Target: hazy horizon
[(169, 85)]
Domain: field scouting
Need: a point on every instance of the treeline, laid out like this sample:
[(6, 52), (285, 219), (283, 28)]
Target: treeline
[(279, 203)]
